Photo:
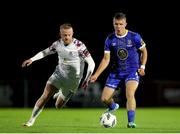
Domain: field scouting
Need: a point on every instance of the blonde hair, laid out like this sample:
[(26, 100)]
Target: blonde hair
[(65, 26)]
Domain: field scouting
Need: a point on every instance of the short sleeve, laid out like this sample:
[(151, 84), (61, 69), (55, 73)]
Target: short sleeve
[(83, 51), (51, 49), (107, 45), (139, 41)]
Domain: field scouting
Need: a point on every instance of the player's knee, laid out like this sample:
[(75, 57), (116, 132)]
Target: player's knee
[(130, 97), (44, 97)]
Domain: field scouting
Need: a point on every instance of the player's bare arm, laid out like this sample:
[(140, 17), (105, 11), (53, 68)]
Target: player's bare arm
[(103, 65), (28, 62), (38, 56), (141, 70)]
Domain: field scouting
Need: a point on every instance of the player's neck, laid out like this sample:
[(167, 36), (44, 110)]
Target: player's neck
[(121, 33), (66, 43)]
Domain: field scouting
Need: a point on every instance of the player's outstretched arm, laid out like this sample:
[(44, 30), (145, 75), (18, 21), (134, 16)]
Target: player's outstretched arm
[(102, 66), (38, 56)]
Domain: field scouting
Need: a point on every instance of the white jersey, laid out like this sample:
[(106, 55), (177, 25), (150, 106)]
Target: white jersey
[(71, 57), (69, 71)]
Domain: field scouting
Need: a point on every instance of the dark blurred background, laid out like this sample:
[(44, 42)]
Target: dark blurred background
[(28, 27)]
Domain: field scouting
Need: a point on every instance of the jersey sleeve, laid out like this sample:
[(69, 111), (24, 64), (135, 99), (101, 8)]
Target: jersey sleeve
[(139, 41), (51, 49), (44, 53), (83, 52), (107, 45)]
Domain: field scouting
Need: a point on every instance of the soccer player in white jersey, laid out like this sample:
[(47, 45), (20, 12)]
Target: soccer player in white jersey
[(66, 78)]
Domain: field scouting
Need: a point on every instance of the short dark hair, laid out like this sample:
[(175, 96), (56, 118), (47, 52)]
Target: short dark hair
[(65, 26), (119, 16)]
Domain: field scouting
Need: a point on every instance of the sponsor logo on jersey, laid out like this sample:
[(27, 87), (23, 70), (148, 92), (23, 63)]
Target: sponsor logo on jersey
[(122, 53)]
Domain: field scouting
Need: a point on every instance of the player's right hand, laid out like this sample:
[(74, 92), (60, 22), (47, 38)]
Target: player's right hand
[(93, 78), (141, 72), (27, 63)]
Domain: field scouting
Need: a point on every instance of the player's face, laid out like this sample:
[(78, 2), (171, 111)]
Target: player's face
[(66, 35), (119, 26)]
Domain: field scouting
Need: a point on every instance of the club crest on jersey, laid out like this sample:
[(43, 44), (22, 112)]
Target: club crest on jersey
[(122, 53)]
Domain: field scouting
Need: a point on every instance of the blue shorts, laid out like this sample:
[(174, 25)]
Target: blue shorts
[(115, 80)]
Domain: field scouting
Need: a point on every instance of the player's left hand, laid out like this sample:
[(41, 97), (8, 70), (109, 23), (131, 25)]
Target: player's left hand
[(27, 63), (141, 71), (85, 84)]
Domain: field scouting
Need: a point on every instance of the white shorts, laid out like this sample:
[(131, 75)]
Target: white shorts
[(64, 83)]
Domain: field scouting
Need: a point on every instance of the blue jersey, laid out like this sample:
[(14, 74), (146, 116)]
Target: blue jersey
[(124, 51), (125, 57)]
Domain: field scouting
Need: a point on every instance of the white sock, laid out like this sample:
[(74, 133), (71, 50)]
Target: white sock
[(35, 113)]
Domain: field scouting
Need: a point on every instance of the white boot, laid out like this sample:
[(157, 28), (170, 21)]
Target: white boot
[(29, 123)]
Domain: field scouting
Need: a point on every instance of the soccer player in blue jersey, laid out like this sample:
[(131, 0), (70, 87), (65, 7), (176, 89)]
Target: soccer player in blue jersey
[(128, 53)]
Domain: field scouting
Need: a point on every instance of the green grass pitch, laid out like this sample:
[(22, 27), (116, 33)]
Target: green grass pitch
[(73, 120)]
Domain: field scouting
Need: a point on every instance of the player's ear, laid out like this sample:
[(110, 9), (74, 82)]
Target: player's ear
[(60, 33), (72, 33), (125, 24)]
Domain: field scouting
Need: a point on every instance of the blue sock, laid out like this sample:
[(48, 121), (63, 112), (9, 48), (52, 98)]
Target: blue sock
[(112, 106), (131, 115)]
